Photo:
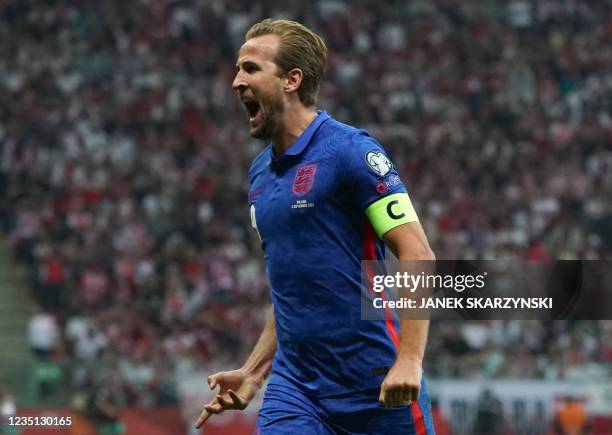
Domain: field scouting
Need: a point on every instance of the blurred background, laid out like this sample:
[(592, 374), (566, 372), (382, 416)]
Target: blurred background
[(128, 271)]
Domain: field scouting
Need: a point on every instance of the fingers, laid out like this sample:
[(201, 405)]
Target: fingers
[(202, 419), (212, 407), (212, 381), (238, 401), (231, 400), (406, 396), (398, 395), (226, 398), (415, 393), (225, 401)]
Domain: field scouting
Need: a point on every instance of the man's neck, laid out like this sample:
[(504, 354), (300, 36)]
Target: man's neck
[(293, 123)]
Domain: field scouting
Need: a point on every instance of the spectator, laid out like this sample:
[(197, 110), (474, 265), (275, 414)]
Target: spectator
[(489, 415), (7, 405), (571, 418), (104, 412), (43, 334), (8, 409), (86, 342), (7, 402)]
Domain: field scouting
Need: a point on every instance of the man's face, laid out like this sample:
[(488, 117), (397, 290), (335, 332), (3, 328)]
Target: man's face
[(259, 85)]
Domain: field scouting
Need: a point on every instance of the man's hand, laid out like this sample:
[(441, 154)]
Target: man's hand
[(236, 391), (401, 384)]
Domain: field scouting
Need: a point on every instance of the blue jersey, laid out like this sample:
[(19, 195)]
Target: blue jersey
[(308, 207)]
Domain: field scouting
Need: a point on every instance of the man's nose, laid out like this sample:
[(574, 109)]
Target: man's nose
[(238, 82)]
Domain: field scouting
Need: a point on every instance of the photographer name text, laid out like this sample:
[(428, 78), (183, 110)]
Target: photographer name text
[(504, 303)]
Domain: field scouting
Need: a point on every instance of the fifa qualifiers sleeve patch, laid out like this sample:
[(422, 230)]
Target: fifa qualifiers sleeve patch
[(390, 212)]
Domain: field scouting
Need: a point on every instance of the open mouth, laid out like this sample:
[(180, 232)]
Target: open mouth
[(252, 108)]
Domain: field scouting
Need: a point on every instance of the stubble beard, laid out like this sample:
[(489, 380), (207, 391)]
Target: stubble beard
[(272, 112)]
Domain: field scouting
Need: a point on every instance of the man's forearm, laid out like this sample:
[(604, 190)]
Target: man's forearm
[(412, 341), (413, 332), (415, 259), (259, 362)]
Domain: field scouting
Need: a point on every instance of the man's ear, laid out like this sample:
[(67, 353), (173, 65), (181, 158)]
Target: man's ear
[(293, 80)]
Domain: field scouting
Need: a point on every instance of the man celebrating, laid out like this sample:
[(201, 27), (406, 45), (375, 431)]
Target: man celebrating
[(323, 197)]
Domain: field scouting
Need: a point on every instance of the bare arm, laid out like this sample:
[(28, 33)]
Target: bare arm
[(259, 363), (238, 387), (407, 242)]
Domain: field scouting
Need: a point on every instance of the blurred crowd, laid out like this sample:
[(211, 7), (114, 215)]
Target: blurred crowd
[(555, 350), (124, 155)]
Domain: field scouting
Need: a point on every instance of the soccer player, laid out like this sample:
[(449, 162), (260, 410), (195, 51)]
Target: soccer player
[(323, 197)]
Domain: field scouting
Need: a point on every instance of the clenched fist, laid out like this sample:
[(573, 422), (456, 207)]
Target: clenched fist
[(402, 384)]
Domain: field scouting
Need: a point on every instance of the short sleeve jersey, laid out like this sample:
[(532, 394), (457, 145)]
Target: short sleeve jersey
[(309, 208)]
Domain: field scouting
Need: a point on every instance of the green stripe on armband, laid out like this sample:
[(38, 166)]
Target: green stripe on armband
[(390, 212)]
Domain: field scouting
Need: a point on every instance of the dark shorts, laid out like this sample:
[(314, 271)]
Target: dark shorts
[(290, 411)]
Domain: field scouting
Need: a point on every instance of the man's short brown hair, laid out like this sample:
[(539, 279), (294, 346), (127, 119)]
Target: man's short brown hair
[(299, 48)]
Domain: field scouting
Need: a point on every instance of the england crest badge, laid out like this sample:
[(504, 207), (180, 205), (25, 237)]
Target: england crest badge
[(304, 179)]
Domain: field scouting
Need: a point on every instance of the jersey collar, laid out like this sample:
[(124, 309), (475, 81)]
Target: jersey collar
[(302, 142)]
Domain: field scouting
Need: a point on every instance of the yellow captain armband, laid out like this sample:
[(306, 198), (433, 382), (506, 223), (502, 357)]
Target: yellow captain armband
[(390, 212)]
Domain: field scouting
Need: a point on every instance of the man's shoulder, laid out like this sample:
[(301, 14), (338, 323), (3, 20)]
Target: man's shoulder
[(342, 135)]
